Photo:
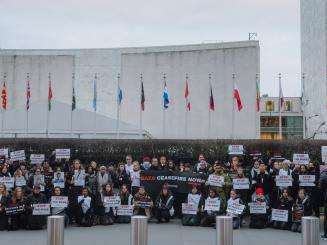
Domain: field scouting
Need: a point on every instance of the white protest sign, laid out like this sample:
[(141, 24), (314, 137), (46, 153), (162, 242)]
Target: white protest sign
[(4, 152), (212, 204), (235, 208), (241, 184), (111, 201), (59, 201), (235, 150), (20, 181), (62, 153), (279, 215), (257, 207), (283, 180), (125, 210), (189, 208), (9, 182), (216, 180), (307, 180), (37, 158), (301, 159), (324, 154), (41, 209), (17, 155), (58, 179), (38, 180), (79, 177), (193, 199)]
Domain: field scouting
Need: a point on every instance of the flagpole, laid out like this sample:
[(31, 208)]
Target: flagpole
[(257, 105), (3, 109), (209, 109), (233, 110), (141, 78), (280, 106), (27, 106), (72, 109), (48, 109), (95, 103), (186, 110), (164, 110), (118, 106)]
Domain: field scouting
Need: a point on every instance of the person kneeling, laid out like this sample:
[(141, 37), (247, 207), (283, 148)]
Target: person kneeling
[(302, 207), (85, 209), (193, 199), (210, 208), (107, 215), (164, 205), (259, 220), (142, 203), (285, 203), (235, 209), (59, 209)]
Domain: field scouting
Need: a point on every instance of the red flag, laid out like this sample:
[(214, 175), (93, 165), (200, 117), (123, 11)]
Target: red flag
[(186, 96), (49, 96), (4, 96), (238, 99), (211, 100)]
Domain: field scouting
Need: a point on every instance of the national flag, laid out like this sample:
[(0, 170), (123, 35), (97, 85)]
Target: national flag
[(281, 97), (119, 95), (186, 96), (4, 96), (50, 95), (211, 100), (165, 97), (142, 97), (237, 97), (28, 94), (73, 99), (94, 104), (257, 96)]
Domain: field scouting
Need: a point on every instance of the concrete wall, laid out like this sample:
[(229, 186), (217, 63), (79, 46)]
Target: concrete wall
[(314, 63), (222, 60)]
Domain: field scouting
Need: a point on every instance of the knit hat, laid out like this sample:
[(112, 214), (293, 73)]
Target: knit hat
[(146, 159), (259, 191)]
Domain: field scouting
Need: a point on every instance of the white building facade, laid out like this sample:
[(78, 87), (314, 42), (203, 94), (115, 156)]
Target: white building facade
[(221, 60), (314, 67)]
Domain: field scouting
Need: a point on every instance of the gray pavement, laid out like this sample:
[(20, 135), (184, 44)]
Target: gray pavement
[(159, 234)]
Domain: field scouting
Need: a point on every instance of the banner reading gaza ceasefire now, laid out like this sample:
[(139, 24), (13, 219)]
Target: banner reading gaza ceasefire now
[(177, 182)]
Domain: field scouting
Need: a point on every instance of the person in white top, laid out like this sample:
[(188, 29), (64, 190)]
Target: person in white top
[(129, 164), (135, 177)]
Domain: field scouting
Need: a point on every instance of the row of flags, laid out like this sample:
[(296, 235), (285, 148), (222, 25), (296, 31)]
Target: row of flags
[(166, 98)]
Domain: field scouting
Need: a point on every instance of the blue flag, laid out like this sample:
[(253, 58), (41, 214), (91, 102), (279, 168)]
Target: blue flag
[(95, 95), (119, 95), (165, 97)]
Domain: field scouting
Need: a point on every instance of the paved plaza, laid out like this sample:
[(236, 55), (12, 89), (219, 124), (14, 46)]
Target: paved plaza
[(159, 234)]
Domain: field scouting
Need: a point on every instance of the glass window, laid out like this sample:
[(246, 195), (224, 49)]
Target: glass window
[(288, 105), (270, 105)]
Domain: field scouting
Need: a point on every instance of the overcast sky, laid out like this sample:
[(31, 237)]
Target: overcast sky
[(107, 23)]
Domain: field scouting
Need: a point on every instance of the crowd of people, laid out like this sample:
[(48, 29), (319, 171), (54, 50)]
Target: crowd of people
[(277, 193)]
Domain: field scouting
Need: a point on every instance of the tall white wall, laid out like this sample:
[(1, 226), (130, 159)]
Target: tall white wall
[(222, 60), (314, 63)]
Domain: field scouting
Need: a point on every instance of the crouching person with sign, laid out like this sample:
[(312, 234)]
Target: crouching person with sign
[(210, 208), (85, 212), (190, 210), (108, 204), (142, 203), (302, 207), (125, 210), (36, 209), (59, 204), (16, 210), (285, 204), (164, 205), (259, 210), (235, 209), (3, 204)]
